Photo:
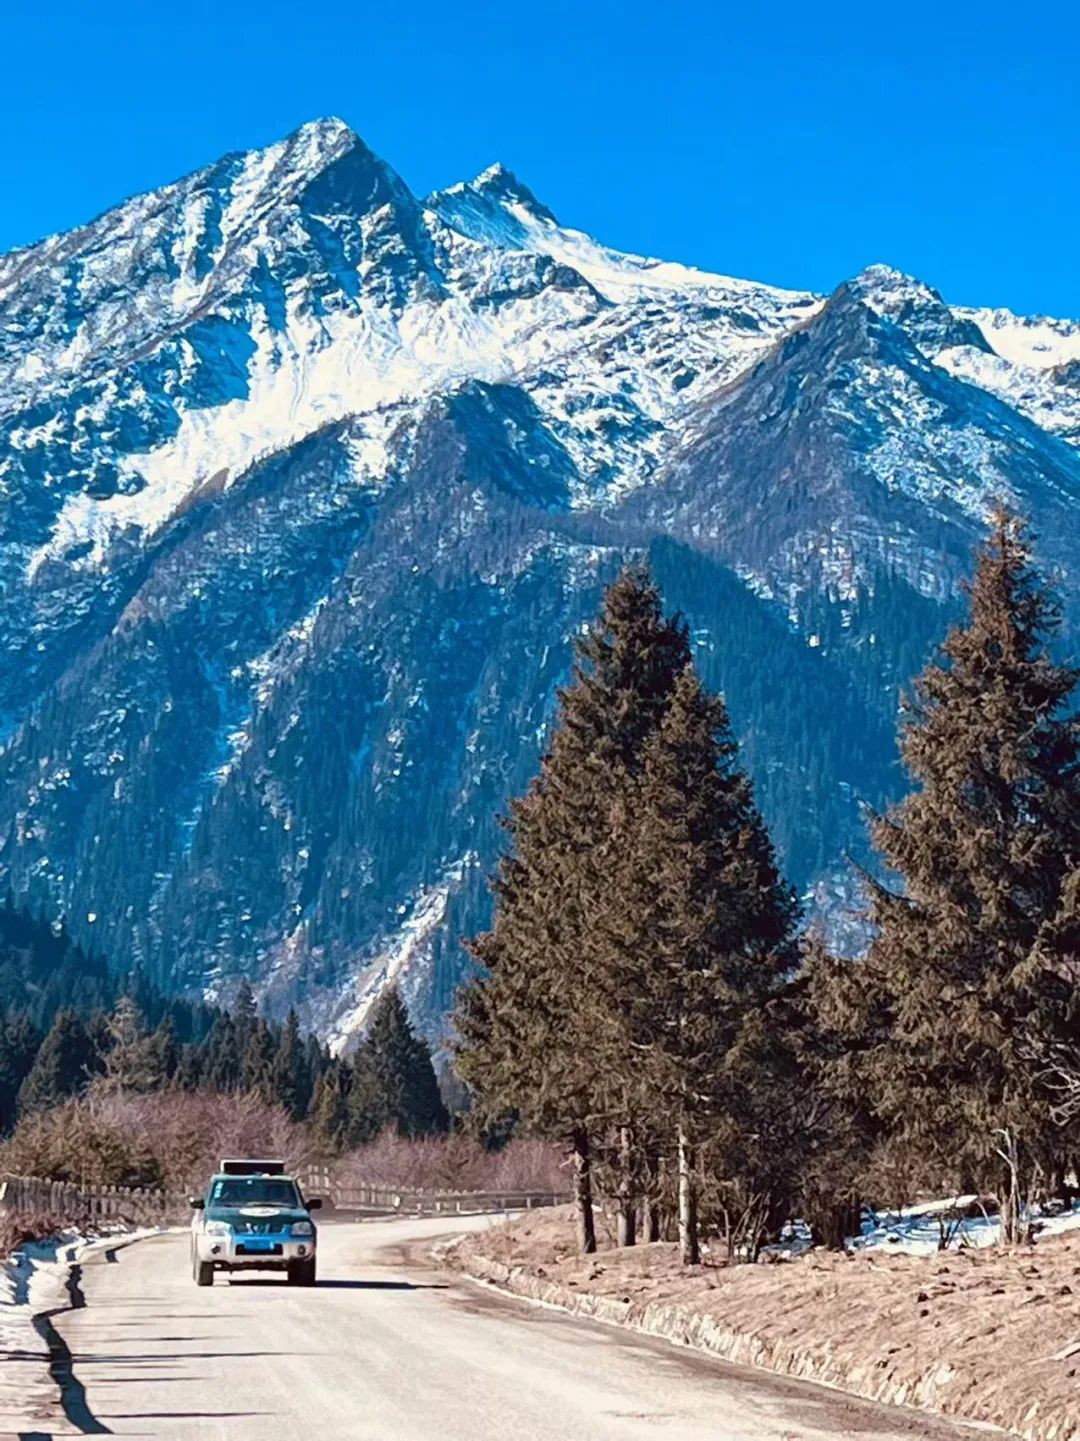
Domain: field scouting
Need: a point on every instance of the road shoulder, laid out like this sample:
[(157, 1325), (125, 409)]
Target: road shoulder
[(919, 1341)]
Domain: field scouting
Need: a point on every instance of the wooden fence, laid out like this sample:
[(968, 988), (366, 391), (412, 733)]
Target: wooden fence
[(144, 1207), (362, 1199), (155, 1207)]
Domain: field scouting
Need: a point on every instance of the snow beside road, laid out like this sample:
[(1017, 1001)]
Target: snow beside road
[(918, 1230), (34, 1280)]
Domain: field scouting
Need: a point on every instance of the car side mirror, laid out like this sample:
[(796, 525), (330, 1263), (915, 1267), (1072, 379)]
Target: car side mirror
[(315, 1204), (197, 1203)]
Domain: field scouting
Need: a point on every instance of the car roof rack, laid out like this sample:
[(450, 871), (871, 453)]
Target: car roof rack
[(253, 1168)]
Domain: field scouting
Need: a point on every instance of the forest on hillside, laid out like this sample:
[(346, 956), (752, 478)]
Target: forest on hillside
[(74, 1035)]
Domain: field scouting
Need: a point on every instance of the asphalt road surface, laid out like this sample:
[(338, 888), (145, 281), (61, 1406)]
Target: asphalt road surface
[(384, 1349)]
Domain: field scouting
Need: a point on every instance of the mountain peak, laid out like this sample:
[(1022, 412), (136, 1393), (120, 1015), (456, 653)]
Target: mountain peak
[(883, 286), (501, 181), (330, 126), (315, 144), (915, 307)]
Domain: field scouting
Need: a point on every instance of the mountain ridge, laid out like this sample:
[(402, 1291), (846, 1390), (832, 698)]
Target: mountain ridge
[(302, 503)]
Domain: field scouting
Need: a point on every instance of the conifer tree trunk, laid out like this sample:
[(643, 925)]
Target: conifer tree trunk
[(1055, 1183), (586, 1227), (689, 1249), (833, 1222), (1010, 1215), (650, 1226), (626, 1229)]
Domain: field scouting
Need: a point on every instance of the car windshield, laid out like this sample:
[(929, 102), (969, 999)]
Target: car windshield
[(253, 1191)]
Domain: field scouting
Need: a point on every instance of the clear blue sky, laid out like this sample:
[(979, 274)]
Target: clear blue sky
[(793, 143)]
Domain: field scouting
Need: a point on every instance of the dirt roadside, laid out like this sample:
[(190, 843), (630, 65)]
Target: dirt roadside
[(985, 1336)]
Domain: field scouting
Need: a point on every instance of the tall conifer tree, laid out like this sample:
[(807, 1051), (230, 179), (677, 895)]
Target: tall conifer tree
[(258, 1064), (330, 1106), (130, 1059), (19, 1044), (699, 931), (525, 1033), (394, 1083), (289, 1076), (63, 1066), (966, 958)]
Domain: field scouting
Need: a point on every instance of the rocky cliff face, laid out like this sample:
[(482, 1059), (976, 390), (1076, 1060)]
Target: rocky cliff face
[(306, 485)]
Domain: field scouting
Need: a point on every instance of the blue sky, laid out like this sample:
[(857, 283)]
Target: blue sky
[(788, 143)]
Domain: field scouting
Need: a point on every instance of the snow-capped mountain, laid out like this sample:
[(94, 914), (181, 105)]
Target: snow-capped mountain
[(306, 483)]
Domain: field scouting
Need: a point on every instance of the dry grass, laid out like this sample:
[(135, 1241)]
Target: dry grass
[(989, 1335)]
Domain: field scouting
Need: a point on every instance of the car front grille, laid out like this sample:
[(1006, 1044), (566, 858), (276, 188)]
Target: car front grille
[(260, 1228)]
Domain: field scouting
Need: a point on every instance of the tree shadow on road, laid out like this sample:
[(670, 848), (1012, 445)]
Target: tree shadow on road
[(335, 1285), (332, 1283)]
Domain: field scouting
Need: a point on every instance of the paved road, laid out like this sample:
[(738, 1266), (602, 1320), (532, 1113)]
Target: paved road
[(385, 1350)]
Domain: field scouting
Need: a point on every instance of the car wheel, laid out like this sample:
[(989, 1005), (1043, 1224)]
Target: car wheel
[(204, 1273), (302, 1273)]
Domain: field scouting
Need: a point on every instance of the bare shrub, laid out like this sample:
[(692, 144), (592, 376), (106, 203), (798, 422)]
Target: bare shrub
[(454, 1163), (170, 1139)]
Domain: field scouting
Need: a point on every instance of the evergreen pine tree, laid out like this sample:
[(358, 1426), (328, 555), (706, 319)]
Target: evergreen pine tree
[(19, 1043), (330, 1106), (699, 934), (289, 1072), (223, 1066), (63, 1066), (163, 1054), (244, 1015), (316, 1060), (258, 1063), (967, 960), (524, 1027), (367, 1111), (832, 1024), (394, 1083), (130, 1059), (190, 1070)]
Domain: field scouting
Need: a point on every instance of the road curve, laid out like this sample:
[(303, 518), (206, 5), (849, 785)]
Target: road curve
[(385, 1350)]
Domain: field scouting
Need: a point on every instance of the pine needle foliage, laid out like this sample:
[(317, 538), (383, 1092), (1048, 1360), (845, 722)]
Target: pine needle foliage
[(970, 958), (527, 1025), (699, 937)]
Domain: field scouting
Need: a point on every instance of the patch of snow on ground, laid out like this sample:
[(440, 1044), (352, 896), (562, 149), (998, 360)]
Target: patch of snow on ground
[(34, 1279), (918, 1230), (921, 1230)]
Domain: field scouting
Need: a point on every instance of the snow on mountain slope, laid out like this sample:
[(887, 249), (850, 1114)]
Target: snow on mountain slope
[(1048, 395), (878, 456), (205, 275), (1036, 341), (306, 485), (1033, 364)]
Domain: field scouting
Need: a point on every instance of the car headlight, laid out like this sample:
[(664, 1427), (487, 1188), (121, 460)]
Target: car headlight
[(218, 1228), (303, 1228)]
